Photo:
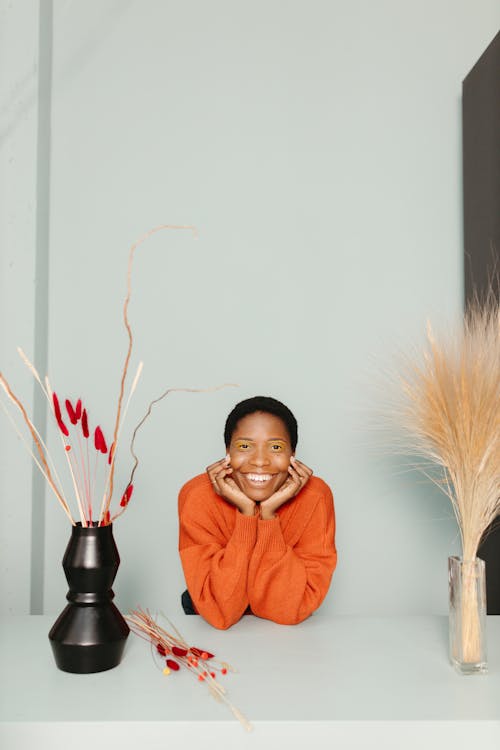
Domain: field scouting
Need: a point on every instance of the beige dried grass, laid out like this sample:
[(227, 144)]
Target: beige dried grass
[(450, 414), (40, 446)]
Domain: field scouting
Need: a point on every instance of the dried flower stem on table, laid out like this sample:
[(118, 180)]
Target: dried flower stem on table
[(201, 663)]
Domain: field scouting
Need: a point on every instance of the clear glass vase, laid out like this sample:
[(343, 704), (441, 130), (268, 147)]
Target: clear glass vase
[(467, 620)]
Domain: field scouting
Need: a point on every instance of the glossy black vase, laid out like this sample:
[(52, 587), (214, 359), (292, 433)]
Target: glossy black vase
[(90, 634)]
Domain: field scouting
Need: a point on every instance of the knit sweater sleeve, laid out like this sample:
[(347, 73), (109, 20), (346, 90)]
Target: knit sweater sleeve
[(214, 558), (287, 583)]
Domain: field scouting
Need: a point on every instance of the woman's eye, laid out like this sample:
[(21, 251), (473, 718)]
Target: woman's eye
[(276, 448), (243, 446)]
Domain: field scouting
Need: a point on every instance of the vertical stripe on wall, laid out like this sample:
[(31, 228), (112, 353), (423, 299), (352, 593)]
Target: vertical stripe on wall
[(41, 293)]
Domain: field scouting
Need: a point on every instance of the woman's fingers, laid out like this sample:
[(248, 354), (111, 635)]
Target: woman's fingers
[(231, 484), (302, 470), (219, 474), (298, 475), (216, 471), (294, 474), (230, 491), (217, 465), (288, 489), (222, 474), (301, 467)]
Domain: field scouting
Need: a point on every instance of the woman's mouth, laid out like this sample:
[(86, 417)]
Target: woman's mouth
[(258, 479)]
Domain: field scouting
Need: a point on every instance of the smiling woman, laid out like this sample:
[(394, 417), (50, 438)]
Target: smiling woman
[(257, 530)]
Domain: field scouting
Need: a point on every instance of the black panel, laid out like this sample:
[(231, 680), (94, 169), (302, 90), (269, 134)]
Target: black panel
[(481, 179), (481, 172)]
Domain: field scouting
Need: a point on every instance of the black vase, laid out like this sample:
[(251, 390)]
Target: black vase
[(90, 634)]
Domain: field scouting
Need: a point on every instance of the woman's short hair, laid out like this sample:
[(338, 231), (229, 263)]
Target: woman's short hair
[(265, 404)]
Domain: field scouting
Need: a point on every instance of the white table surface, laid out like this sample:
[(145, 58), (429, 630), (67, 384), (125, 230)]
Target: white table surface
[(347, 680)]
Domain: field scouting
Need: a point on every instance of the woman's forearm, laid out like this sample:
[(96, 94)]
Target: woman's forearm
[(286, 584), (216, 572)]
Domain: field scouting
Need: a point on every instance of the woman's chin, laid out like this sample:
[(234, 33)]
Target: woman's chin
[(257, 494)]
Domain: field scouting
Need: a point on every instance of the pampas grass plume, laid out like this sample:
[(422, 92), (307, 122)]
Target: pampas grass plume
[(450, 414)]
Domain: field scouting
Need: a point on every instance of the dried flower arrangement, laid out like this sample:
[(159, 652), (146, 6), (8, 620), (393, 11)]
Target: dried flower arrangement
[(202, 664), (87, 459), (450, 414)]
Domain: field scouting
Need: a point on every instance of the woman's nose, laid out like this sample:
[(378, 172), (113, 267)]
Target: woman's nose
[(260, 457)]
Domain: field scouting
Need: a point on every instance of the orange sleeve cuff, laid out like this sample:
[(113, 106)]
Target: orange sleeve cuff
[(245, 530), (270, 536)]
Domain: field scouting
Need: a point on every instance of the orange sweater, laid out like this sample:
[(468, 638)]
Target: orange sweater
[(281, 568)]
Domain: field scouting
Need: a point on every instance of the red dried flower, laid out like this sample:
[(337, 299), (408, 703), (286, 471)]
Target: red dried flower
[(78, 409), (173, 665), (85, 424), (63, 428), (99, 442), (58, 415), (201, 654), (126, 497), (71, 412), (179, 651), (67, 448), (111, 451), (97, 438), (161, 649), (57, 408)]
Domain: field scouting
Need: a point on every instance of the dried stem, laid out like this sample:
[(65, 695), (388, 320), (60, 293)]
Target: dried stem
[(80, 472), (145, 626), (37, 441), (129, 333), (106, 499), (471, 626), (35, 374), (157, 400), (37, 462)]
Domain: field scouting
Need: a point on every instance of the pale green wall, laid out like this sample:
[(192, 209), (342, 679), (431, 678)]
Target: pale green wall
[(316, 146)]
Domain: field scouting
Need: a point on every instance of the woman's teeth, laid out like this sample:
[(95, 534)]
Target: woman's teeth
[(259, 477)]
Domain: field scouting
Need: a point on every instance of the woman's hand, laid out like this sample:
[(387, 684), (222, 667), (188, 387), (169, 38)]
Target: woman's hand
[(299, 475), (219, 474)]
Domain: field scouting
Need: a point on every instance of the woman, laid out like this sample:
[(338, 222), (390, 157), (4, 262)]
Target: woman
[(257, 531)]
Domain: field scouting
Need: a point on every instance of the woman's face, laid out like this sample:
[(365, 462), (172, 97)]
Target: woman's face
[(260, 453)]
